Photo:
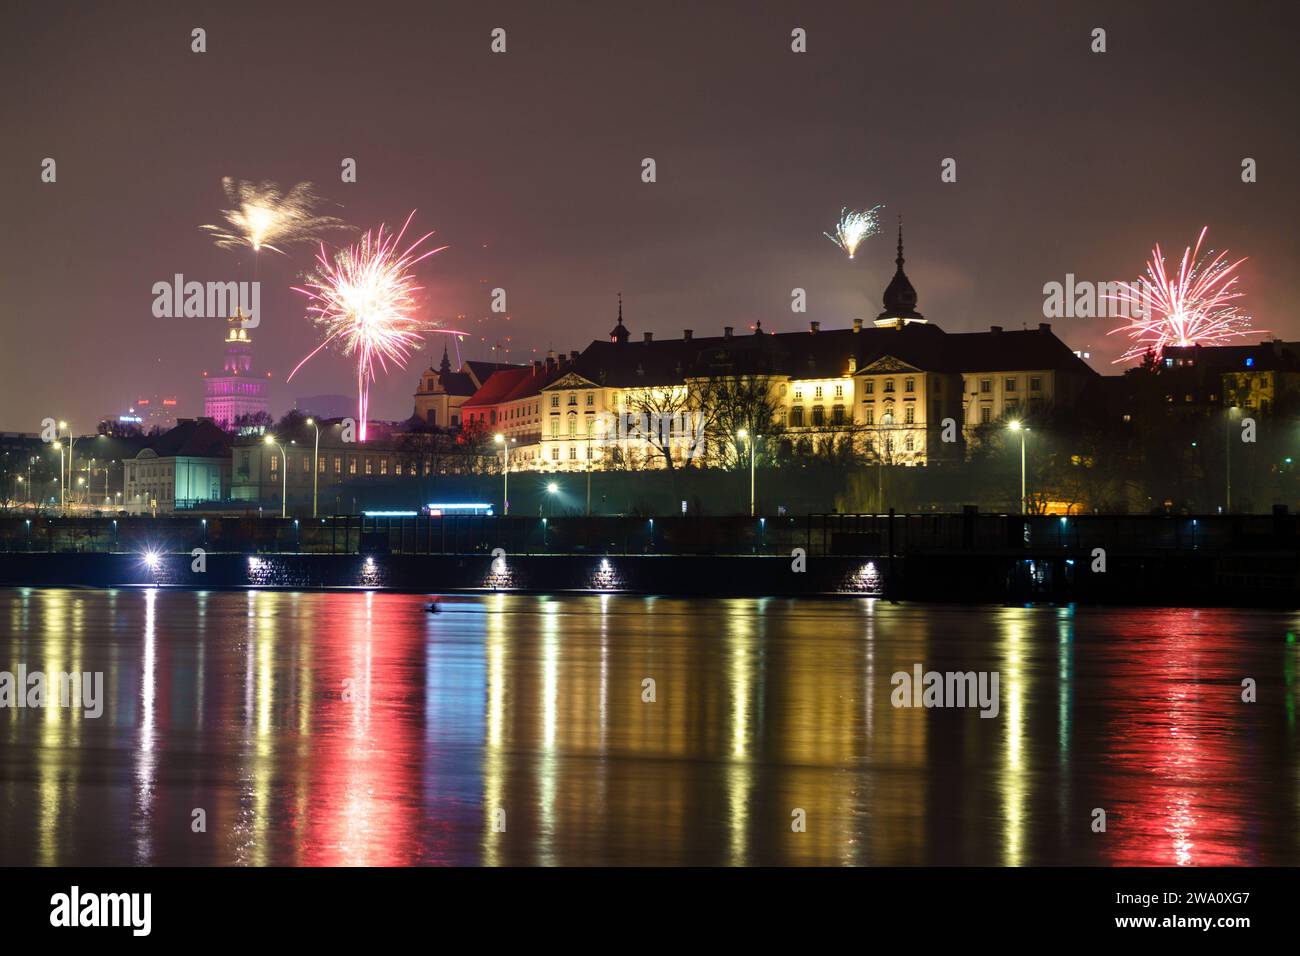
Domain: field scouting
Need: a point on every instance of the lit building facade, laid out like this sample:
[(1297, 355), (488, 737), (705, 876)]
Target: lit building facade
[(442, 392), (237, 392), (900, 391), (184, 467)]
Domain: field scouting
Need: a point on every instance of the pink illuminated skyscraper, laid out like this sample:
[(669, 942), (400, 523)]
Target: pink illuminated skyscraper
[(237, 392)]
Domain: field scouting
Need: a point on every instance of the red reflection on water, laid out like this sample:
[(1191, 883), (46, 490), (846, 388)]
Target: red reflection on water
[(366, 752), (1174, 796)]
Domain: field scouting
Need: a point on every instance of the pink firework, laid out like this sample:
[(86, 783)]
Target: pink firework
[(362, 300), (1195, 305)]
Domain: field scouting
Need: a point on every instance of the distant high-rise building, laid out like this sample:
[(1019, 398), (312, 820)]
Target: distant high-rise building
[(156, 411), (237, 392)]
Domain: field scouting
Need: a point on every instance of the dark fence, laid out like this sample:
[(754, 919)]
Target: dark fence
[(818, 534)]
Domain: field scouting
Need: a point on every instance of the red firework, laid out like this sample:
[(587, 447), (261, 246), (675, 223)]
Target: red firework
[(1193, 305)]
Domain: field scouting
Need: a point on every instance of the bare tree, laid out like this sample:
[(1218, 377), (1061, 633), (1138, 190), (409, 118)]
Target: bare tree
[(661, 419), (728, 404)]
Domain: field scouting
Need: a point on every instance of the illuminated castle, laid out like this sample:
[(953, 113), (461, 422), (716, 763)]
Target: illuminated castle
[(236, 392)]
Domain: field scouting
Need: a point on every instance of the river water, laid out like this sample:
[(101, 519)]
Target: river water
[(357, 728)]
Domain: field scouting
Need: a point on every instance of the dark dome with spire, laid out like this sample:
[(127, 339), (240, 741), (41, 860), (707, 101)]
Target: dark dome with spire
[(619, 333), (900, 297)]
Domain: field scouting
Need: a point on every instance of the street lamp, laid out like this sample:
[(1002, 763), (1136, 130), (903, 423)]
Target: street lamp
[(62, 503), (744, 434), (501, 440), (284, 476), (315, 466), (72, 447), (1227, 455), (1016, 426), (552, 489)]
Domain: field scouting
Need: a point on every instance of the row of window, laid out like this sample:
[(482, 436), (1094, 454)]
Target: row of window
[(817, 391), (590, 398), (1009, 385)]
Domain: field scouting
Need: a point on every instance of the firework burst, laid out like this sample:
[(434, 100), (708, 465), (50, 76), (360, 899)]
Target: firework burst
[(1193, 305), (854, 227), (265, 218), (362, 299)]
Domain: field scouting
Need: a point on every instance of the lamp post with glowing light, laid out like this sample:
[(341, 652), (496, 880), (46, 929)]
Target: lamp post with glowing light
[(315, 466), (284, 476), (744, 434), (501, 440), (62, 496), (66, 476), (1227, 456), (1016, 426)]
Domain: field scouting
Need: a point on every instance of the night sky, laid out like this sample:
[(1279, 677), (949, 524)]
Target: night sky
[(528, 163)]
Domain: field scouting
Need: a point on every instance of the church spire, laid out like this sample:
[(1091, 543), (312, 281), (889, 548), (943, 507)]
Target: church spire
[(445, 366), (900, 296), (619, 333)]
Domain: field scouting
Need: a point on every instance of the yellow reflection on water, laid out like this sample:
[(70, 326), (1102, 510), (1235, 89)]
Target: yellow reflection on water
[(739, 771), (494, 759), (1013, 783)]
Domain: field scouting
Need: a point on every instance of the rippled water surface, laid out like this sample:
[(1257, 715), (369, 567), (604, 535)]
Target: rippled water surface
[(356, 728)]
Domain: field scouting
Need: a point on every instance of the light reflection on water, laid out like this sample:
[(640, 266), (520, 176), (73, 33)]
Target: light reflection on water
[(357, 729)]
